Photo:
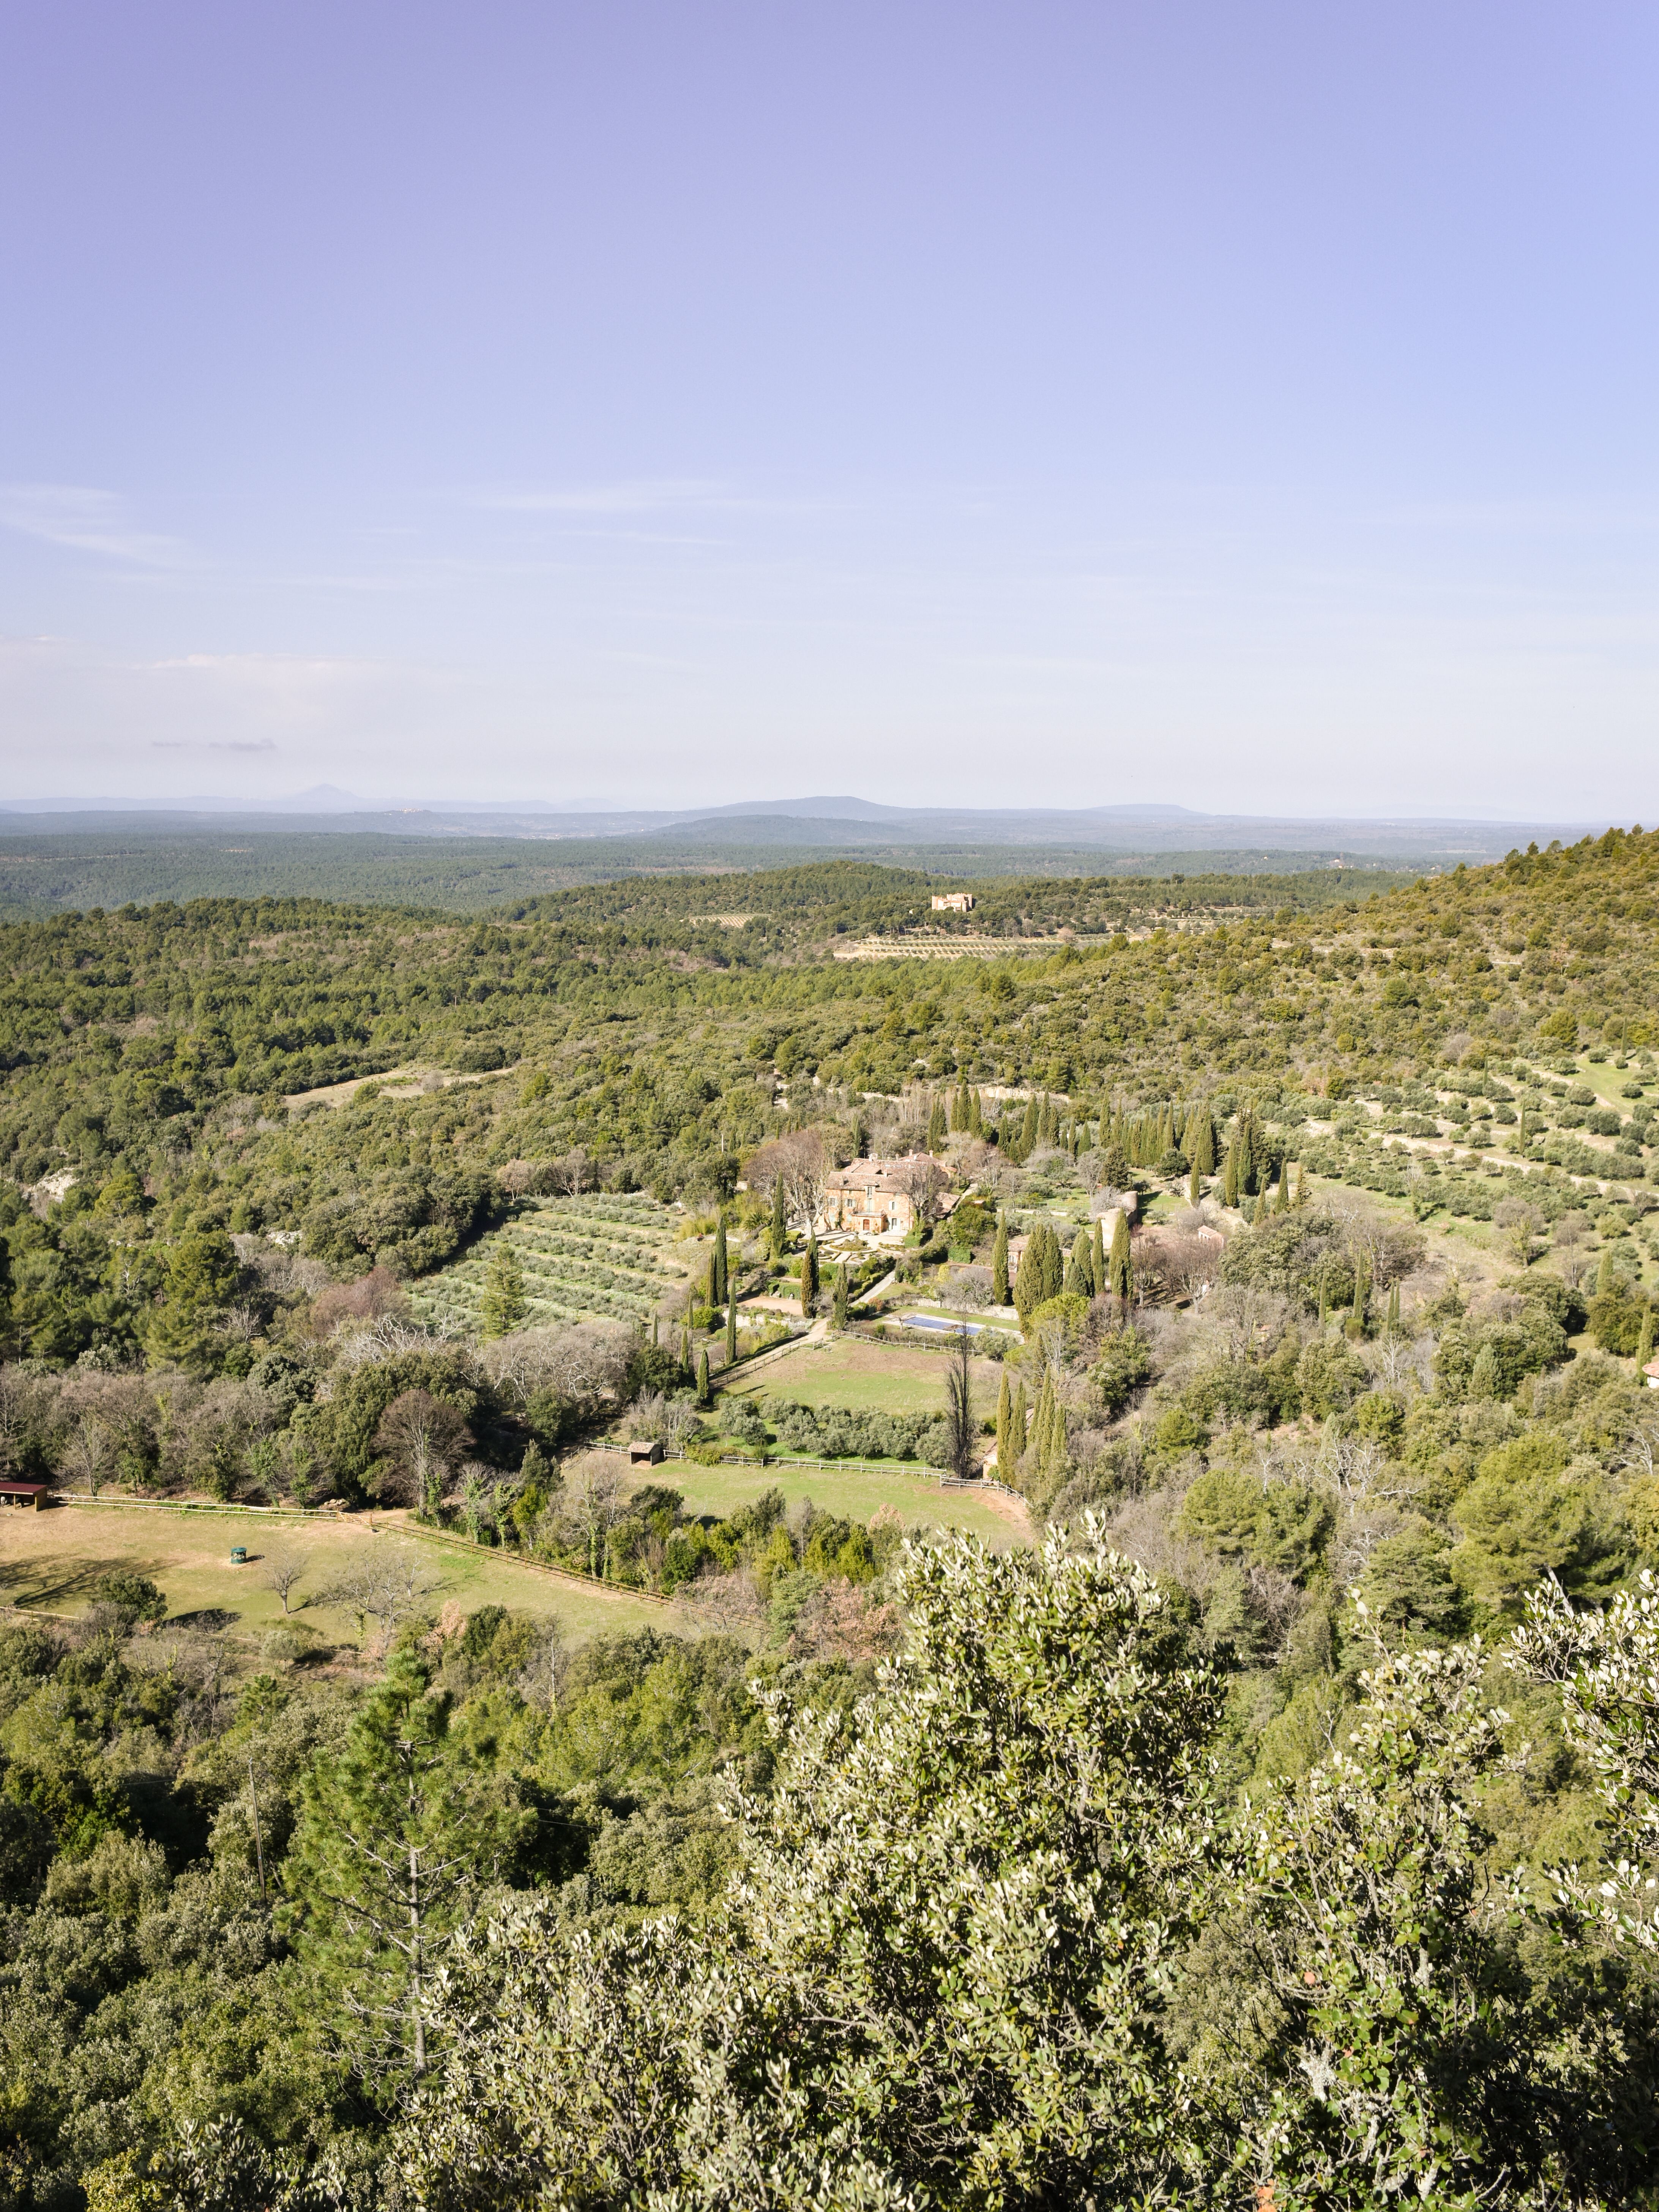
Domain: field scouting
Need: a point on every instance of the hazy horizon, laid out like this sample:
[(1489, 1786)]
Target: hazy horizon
[(983, 407)]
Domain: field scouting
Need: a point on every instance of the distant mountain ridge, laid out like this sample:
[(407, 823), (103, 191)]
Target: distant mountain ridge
[(827, 823)]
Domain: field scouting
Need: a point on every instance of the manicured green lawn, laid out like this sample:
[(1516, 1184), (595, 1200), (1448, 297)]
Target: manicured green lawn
[(54, 1558), (876, 1378), (721, 1490)]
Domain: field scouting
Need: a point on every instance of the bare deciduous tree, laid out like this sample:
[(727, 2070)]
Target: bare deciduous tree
[(923, 1181), (424, 1437), (281, 1571), (584, 1364), (592, 1501), (800, 1161), (729, 1603), (388, 1588)]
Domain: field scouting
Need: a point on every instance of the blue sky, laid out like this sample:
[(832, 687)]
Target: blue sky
[(1251, 408)]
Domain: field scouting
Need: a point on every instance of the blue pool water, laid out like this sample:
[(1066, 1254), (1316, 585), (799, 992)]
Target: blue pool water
[(941, 1322)]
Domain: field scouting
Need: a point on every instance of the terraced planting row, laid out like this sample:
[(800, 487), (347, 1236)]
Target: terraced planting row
[(582, 1259)]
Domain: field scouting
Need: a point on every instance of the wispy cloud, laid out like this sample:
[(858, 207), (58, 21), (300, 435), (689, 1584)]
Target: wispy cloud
[(85, 520), (647, 495), (213, 745)]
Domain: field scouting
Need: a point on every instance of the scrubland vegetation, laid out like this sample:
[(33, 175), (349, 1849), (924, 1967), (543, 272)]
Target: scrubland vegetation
[(1273, 1827)]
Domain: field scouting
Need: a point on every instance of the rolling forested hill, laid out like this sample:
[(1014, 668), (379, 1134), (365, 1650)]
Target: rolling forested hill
[(1259, 1838)]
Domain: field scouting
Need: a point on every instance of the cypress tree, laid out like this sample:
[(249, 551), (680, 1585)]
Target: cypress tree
[(731, 1331), (1042, 1427), (1604, 1277), (705, 1395), (1098, 1258), (1361, 1291), (840, 1296), (936, 1127), (1199, 1146), (975, 1115), (1053, 1264), (779, 1226), (1005, 1429), (1000, 1263), (1119, 1267), (1230, 1175), (1283, 1203), (1028, 1127), (1072, 1282), (1083, 1259), (1017, 1421), (809, 1274), (718, 1265), (1300, 1184), (1644, 1343), (685, 1347), (1027, 1278)]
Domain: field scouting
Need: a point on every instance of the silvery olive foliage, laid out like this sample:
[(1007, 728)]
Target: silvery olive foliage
[(941, 1980)]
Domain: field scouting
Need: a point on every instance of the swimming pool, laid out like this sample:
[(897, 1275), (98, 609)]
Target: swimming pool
[(942, 1322)]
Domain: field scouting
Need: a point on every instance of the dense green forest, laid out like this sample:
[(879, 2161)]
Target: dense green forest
[(60, 870), (1276, 1827)]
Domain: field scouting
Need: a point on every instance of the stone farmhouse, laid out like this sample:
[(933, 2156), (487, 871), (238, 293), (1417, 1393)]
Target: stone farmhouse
[(866, 1200)]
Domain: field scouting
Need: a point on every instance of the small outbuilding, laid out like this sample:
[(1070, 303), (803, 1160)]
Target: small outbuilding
[(31, 1496), (1651, 1371), (644, 1451)]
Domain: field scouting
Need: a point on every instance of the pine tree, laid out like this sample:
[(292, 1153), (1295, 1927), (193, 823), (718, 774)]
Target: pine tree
[(705, 1395), (840, 1296), (1000, 1263), (731, 1331), (396, 1830), (1005, 1429), (718, 1265), (503, 1306), (780, 1227), (1119, 1267), (808, 1275)]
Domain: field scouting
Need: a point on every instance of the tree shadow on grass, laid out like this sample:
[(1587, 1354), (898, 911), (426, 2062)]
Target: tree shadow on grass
[(56, 1584)]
